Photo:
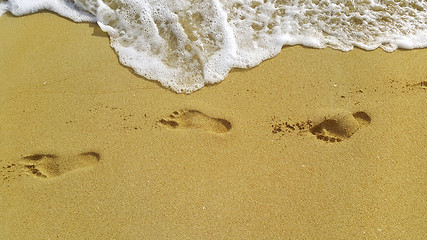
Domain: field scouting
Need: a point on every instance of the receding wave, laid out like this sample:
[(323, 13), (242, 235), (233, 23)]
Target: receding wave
[(187, 44)]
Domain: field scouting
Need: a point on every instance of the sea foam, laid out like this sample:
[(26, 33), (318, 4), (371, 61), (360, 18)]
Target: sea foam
[(187, 44), (63, 7)]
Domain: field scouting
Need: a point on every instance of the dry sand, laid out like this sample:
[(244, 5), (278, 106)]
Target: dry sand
[(313, 144)]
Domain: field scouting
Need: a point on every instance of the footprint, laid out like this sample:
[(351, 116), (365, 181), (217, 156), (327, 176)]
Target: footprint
[(193, 119), (51, 165), (340, 126)]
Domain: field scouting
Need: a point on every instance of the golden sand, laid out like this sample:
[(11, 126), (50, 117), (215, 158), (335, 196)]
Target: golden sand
[(313, 144)]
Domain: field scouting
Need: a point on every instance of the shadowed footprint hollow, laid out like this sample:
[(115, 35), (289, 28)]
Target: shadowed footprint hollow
[(340, 126), (194, 119)]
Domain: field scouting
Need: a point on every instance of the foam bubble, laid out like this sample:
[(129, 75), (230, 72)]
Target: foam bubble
[(186, 44)]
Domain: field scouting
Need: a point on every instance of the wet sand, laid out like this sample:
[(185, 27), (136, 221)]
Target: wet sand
[(313, 144)]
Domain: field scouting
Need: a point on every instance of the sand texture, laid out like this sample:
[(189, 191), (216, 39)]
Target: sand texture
[(313, 144)]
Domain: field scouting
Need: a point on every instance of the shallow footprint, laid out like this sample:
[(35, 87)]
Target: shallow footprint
[(51, 165), (340, 126), (193, 119)]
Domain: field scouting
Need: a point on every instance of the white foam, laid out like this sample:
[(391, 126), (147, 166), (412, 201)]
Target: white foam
[(4, 7), (63, 7), (186, 44)]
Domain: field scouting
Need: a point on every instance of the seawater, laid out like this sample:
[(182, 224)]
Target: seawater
[(186, 44)]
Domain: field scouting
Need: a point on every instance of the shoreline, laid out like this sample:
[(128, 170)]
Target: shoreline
[(135, 160)]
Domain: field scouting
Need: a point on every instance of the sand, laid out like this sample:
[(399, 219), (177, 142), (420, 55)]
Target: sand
[(313, 144)]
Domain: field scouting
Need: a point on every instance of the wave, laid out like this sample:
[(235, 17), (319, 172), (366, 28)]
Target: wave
[(187, 44)]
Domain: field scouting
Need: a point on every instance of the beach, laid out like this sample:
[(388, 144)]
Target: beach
[(312, 144)]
